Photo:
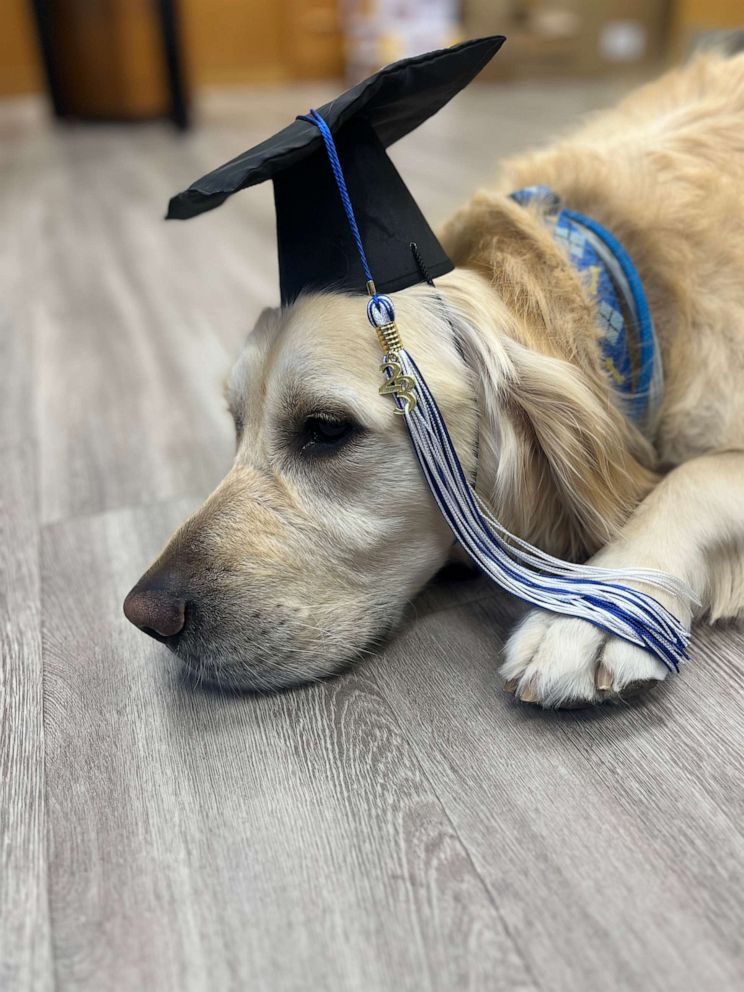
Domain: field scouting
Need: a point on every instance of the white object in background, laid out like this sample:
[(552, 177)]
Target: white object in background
[(382, 31), (623, 41)]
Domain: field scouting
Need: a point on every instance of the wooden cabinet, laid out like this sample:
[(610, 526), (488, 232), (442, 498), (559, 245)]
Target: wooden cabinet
[(111, 59), (111, 51), (20, 65), (692, 17), (248, 41), (107, 57)]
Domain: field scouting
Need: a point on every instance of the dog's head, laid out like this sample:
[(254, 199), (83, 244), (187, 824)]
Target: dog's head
[(324, 528), (322, 531)]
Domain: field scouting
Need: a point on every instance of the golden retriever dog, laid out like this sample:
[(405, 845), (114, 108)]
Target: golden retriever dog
[(324, 528)]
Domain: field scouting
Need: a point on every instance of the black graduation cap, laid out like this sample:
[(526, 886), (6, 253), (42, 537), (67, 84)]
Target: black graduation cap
[(316, 250)]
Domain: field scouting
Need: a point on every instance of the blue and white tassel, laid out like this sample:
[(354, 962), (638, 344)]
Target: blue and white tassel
[(598, 595)]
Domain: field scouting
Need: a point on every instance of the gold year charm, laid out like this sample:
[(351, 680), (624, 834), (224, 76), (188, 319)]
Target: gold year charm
[(398, 384)]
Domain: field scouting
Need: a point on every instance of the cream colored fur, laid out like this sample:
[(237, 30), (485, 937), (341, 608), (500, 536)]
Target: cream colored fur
[(309, 560)]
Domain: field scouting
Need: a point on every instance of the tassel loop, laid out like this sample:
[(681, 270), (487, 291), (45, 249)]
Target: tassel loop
[(380, 310)]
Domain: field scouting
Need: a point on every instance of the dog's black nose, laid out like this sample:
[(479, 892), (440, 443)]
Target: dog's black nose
[(156, 612)]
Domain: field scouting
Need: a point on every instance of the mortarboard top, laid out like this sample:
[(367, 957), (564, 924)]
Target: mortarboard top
[(316, 249)]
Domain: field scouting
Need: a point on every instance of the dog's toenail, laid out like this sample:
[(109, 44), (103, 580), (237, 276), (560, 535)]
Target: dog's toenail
[(510, 685), (528, 694), (603, 679)]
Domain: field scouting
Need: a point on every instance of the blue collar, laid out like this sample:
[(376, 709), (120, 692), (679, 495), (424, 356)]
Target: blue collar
[(630, 350)]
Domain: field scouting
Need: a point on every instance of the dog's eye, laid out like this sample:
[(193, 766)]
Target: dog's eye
[(321, 433)]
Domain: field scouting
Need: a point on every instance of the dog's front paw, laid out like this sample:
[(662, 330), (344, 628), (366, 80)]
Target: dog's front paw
[(559, 661)]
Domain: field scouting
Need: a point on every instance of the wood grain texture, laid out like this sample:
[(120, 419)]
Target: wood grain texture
[(611, 840), (25, 961), (21, 138), (202, 841)]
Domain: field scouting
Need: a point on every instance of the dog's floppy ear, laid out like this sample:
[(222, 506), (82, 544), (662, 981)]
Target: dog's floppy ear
[(595, 460), (562, 466)]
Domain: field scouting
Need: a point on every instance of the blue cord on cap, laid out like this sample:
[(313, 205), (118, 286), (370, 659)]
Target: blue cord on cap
[(380, 310)]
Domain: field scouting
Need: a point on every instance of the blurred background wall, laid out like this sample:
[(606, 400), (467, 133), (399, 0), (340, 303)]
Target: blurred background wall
[(121, 58)]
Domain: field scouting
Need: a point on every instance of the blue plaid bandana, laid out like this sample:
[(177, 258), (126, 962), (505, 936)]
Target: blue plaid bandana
[(630, 350)]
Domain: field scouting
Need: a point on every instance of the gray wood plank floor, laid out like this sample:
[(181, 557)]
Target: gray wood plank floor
[(25, 961), (406, 826)]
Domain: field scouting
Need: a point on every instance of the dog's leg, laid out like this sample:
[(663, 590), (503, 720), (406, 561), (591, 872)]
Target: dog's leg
[(691, 526)]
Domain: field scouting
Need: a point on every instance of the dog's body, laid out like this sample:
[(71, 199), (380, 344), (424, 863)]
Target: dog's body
[(324, 528)]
